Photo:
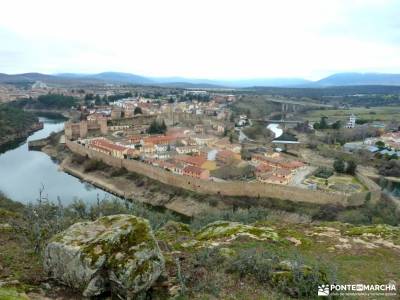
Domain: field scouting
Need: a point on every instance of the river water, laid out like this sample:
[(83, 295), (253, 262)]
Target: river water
[(24, 172), (275, 129)]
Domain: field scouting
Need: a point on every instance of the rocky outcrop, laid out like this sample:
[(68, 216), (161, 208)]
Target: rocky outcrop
[(117, 253), (232, 230)]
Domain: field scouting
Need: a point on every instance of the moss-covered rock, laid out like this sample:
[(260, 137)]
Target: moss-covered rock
[(231, 230), (117, 252), (174, 234)]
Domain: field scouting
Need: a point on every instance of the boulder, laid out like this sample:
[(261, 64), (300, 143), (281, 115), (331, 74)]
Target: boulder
[(117, 253)]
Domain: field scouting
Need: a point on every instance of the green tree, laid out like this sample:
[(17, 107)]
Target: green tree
[(337, 125), (97, 100), (157, 127), (324, 123), (351, 167), (137, 111), (339, 165), (380, 144)]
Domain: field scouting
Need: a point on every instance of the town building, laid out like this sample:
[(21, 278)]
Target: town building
[(196, 172), (352, 121)]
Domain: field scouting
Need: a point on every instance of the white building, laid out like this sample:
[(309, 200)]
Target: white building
[(352, 121)]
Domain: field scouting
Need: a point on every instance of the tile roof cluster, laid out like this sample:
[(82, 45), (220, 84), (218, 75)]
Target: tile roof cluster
[(196, 160), (107, 145), (193, 170), (159, 139)]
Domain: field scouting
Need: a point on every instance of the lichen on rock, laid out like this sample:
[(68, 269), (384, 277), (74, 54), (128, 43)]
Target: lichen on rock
[(231, 230), (115, 252)]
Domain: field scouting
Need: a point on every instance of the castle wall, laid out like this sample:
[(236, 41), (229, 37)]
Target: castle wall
[(228, 188)]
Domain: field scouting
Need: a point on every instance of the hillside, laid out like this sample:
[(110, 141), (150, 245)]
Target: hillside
[(15, 123), (248, 254)]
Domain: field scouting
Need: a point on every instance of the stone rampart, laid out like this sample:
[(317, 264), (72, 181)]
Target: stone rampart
[(227, 188)]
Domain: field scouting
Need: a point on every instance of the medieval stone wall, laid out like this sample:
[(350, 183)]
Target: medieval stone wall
[(228, 188)]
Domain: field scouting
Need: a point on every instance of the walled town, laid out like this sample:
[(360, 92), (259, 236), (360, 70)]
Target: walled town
[(188, 139)]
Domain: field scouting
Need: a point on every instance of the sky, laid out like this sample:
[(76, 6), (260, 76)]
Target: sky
[(215, 39)]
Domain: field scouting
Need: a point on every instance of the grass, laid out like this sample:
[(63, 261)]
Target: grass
[(11, 294), (344, 180), (351, 266), (384, 113)]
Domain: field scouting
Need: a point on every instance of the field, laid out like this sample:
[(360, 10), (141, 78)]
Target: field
[(384, 113), (337, 183)]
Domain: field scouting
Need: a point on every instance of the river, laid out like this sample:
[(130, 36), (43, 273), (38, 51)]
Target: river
[(275, 129), (24, 172)]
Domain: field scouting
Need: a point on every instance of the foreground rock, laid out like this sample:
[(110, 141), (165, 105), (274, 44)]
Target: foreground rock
[(117, 253)]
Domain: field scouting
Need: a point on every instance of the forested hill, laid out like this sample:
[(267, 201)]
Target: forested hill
[(15, 123)]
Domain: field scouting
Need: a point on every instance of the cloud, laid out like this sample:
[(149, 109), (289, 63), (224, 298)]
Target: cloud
[(215, 39)]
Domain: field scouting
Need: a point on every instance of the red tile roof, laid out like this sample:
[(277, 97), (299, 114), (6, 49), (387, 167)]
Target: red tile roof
[(107, 145), (193, 170), (197, 160), (159, 139)]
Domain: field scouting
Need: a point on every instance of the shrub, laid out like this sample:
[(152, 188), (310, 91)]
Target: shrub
[(390, 168), (351, 167), (328, 212), (118, 172), (94, 165), (339, 165), (290, 276), (323, 172), (77, 159)]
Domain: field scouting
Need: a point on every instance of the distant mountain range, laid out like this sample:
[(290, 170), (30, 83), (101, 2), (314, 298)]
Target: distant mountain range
[(339, 79), (360, 79)]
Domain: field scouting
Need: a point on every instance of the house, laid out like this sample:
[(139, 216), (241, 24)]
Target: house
[(196, 172), (203, 140), (161, 147), (282, 173), (147, 148), (263, 168), (177, 168), (105, 146), (196, 161), (187, 149), (199, 128), (158, 139)]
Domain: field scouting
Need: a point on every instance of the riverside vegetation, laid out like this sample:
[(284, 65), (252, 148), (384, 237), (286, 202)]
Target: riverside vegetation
[(15, 124), (235, 254)]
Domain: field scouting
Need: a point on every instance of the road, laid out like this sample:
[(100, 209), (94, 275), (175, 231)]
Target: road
[(300, 175)]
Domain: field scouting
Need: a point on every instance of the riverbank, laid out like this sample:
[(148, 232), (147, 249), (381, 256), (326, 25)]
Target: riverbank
[(126, 187), (11, 139)]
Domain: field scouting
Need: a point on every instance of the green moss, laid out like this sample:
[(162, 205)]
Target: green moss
[(222, 229), (381, 230), (175, 234), (102, 245), (8, 214), (11, 294)]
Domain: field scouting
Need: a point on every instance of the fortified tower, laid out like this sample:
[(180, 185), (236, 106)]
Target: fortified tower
[(83, 129), (103, 126)]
